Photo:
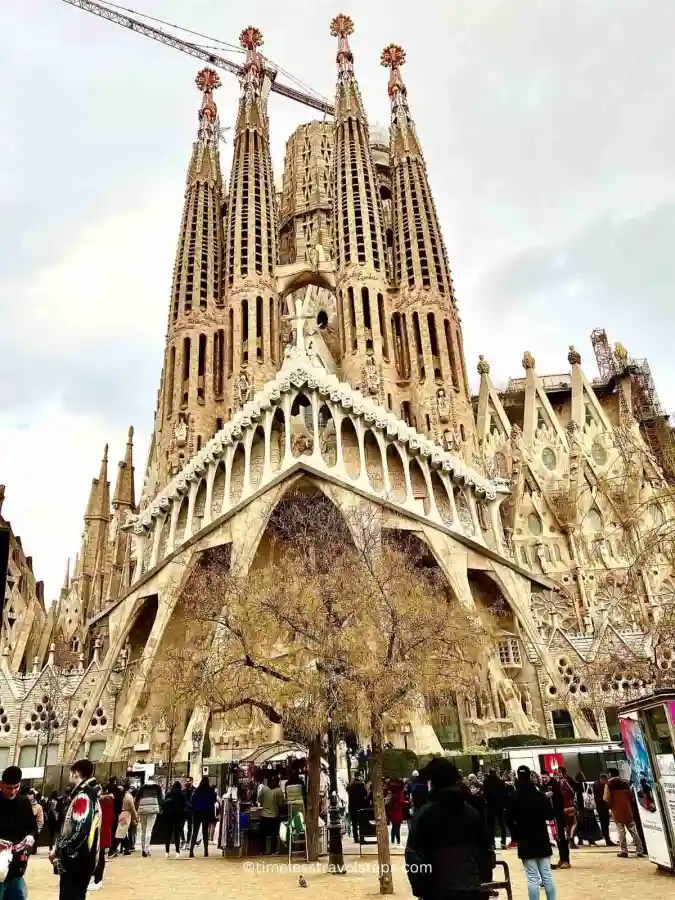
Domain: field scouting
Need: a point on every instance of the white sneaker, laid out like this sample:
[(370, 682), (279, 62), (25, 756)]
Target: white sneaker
[(166, 856), (177, 854), (94, 887)]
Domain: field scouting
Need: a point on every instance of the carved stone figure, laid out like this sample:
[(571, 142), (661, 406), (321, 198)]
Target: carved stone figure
[(301, 443), (242, 390), (180, 432), (371, 377), (443, 405), (527, 701), (528, 360), (483, 366)]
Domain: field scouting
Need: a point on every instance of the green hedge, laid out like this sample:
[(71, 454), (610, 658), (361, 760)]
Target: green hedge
[(534, 740), (398, 763)]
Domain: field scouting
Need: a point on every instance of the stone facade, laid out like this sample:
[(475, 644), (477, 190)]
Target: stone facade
[(314, 340)]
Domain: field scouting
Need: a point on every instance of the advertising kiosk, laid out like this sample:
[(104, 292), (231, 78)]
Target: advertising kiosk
[(648, 736)]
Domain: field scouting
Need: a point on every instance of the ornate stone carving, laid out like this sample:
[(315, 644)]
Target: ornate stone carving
[(483, 366), (574, 357), (242, 390), (620, 354), (180, 431), (528, 360), (370, 376), (443, 406)]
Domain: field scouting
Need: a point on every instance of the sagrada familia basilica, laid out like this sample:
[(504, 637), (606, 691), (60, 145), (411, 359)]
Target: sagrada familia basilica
[(314, 343)]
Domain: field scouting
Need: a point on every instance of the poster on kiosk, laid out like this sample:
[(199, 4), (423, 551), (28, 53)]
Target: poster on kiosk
[(642, 781)]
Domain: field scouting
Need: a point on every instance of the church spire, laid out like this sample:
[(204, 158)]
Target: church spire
[(439, 386), (189, 387), (358, 230), (124, 488), (253, 305), (98, 506)]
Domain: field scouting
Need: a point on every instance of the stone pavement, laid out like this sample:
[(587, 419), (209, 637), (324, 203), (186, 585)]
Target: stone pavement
[(596, 873)]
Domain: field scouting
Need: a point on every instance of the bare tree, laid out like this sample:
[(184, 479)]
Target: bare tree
[(341, 620)]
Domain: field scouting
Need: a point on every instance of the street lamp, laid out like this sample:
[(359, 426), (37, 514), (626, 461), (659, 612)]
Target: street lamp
[(336, 860)]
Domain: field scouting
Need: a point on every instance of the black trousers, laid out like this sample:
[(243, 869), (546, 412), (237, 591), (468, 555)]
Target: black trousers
[(561, 840), (496, 816), (200, 820), (100, 867), (396, 832), (270, 829), (603, 815), (189, 824), (74, 886), (354, 819), (174, 829)]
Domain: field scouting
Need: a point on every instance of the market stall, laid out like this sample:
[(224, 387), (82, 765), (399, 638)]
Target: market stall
[(648, 736)]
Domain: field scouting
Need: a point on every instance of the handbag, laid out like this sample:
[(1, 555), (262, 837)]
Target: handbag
[(589, 800), (5, 861)]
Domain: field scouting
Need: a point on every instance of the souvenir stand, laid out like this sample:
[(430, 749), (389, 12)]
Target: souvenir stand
[(648, 736), (239, 829)]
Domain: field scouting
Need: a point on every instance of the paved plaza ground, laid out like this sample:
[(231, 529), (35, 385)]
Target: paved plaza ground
[(596, 874)]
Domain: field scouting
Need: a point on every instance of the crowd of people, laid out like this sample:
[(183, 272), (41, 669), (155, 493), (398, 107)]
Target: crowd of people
[(455, 825)]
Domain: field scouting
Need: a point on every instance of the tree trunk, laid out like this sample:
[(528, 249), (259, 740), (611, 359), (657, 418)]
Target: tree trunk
[(313, 798), (383, 856)]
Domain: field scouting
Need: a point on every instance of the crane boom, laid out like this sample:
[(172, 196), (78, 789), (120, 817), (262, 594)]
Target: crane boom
[(119, 18)]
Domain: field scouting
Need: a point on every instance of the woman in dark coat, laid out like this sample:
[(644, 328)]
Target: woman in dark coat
[(587, 828), (528, 815), (204, 802), (395, 806), (449, 853), (173, 813)]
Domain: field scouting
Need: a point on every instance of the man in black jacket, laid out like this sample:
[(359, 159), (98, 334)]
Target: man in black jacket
[(18, 828), (449, 853), (494, 792), (77, 847), (528, 814)]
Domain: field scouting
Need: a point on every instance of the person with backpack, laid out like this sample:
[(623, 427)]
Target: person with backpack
[(76, 850)]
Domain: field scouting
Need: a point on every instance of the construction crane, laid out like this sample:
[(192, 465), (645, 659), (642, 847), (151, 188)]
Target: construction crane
[(115, 14)]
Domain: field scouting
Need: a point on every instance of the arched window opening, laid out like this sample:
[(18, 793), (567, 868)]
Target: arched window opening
[(418, 346), (185, 380), (352, 318), (259, 328), (218, 362), (201, 369), (383, 326), (230, 345), (170, 375), (451, 354), (244, 331)]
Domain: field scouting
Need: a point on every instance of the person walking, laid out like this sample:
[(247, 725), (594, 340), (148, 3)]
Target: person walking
[(448, 854), (528, 815), (601, 807), (356, 800), (494, 792), (148, 805), (18, 830), (188, 791), (127, 818), (107, 802), (77, 847), (395, 804), (555, 795), (617, 796), (173, 813), (204, 812), (52, 817), (418, 790), (39, 814)]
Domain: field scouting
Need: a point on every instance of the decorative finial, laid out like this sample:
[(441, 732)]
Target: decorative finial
[(528, 360), (131, 434), (251, 37), (342, 26), (483, 366), (207, 81), (574, 357), (393, 57), (105, 453), (52, 651), (620, 353)]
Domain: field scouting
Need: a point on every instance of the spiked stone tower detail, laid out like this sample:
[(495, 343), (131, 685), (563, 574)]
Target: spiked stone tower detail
[(427, 327)]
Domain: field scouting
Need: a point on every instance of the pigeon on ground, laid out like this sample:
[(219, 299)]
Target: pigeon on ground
[(302, 882)]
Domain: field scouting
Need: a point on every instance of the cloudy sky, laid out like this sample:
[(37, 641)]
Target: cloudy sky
[(549, 133)]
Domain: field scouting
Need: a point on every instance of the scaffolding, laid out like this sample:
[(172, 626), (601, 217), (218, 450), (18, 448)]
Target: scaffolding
[(654, 421)]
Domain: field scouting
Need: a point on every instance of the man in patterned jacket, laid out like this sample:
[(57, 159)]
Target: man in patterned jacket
[(77, 847)]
